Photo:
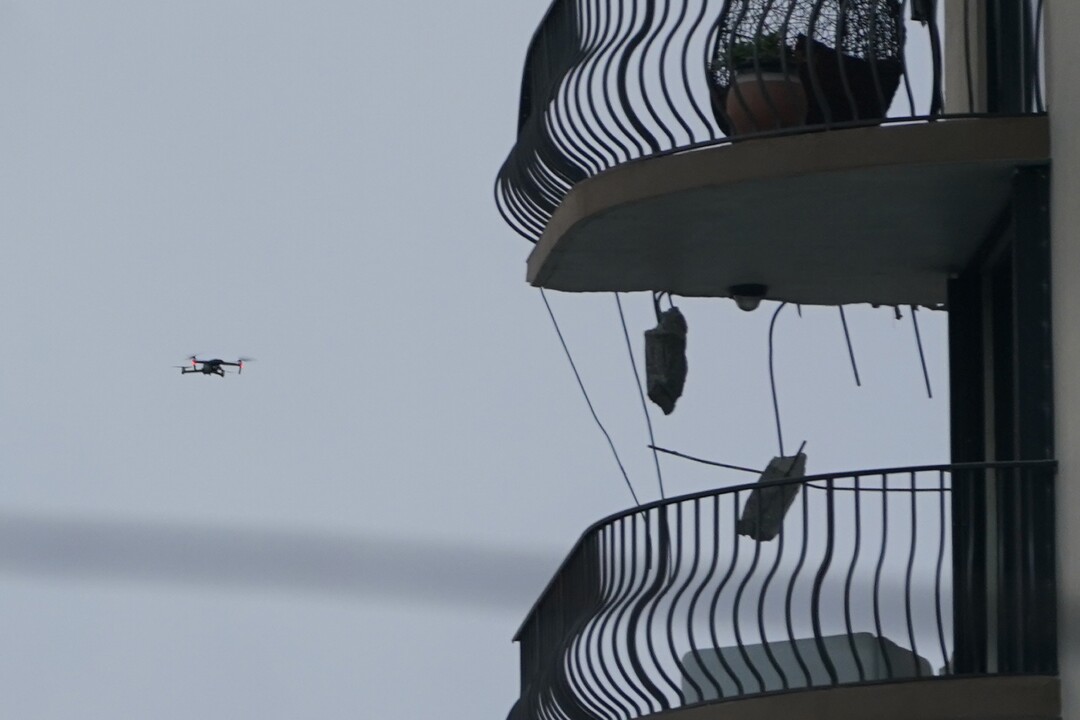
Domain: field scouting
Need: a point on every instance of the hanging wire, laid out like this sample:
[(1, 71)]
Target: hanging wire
[(772, 380), (922, 356), (726, 466), (851, 351), (585, 394), (657, 296), (641, 394)]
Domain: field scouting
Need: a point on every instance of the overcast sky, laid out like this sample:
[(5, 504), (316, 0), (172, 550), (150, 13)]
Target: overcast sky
[(356, 525)]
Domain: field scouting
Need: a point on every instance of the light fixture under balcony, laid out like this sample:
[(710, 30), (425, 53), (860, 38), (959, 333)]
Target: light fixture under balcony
[(748, 296)]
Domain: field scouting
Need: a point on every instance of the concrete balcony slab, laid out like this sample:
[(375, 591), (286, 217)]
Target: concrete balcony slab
[(881, 214)]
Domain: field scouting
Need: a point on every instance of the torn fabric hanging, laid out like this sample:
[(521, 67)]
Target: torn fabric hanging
[(763, 514), (665, 359)]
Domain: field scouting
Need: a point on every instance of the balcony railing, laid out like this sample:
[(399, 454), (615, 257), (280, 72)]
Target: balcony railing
[(879, 575), (608, 82)]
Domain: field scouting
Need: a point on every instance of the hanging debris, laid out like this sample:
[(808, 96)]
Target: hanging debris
[(665, 359), (763, 514)]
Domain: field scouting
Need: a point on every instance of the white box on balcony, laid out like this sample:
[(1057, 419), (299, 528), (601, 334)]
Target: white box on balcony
[(881, 659)]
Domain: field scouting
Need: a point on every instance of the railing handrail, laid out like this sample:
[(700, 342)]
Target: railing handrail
[(746, 487)]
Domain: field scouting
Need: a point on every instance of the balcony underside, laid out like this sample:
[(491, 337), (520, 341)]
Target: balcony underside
[(987, 698), (880, 214)]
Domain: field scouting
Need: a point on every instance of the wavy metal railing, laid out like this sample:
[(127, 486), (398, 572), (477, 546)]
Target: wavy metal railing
[(667, 605), (611, 81)]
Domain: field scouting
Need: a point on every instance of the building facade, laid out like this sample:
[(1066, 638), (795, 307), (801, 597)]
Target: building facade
[(910, 154)]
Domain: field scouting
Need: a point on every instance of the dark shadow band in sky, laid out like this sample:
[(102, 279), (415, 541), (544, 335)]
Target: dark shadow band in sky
[(368, 567)]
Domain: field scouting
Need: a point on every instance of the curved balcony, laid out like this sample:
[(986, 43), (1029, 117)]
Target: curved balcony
[(794, 596), (808, 146)]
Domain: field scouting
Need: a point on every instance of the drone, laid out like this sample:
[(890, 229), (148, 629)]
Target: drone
[(211, 367)]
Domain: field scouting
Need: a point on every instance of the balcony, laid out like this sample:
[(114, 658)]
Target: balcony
[(807, 146), (873, 595)]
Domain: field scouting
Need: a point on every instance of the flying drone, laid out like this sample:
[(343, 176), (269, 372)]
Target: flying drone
[(211, 367)]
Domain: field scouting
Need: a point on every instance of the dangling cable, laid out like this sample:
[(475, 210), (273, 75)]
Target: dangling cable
[(772, 380), (726, 466), (641, 394), (850, 350), (588, 402), (922, 356)]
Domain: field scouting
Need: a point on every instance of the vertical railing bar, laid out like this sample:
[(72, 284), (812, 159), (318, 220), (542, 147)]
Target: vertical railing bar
[(819, 579), (903, 63), (761, 599), (628, 603), (791, 587), (678, 595), (554, 116), (606, 39), (571, 89), (610, 589), (697, 595), (968, 75), (666, 573), (610, 51), (1039, 58), (644, 599), (594, 125), (936, 99), (566, 693), (664, 47), (720, 589), (577, 129), (946, 660), (649, 40), (633, 40), (735, 608), (565, 690), (907, 577), (592, 685), (850, 576), (685, 71), (877, 574)]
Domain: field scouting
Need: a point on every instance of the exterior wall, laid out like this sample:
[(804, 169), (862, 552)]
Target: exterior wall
[(1063, 78)]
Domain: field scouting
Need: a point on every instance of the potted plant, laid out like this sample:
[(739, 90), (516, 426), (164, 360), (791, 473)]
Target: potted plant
[(765, 91)]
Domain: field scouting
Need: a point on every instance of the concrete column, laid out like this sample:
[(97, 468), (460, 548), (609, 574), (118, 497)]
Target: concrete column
[(1063, 82)]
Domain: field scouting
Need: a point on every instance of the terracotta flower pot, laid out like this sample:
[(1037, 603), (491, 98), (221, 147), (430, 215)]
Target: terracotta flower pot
[(758, 102)]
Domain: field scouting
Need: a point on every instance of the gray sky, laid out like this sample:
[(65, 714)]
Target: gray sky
[(356, 525)]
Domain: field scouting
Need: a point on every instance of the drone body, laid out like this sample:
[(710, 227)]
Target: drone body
[(211, 367)]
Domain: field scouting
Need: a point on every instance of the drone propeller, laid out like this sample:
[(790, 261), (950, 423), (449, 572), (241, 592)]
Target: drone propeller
[(240, 363)]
